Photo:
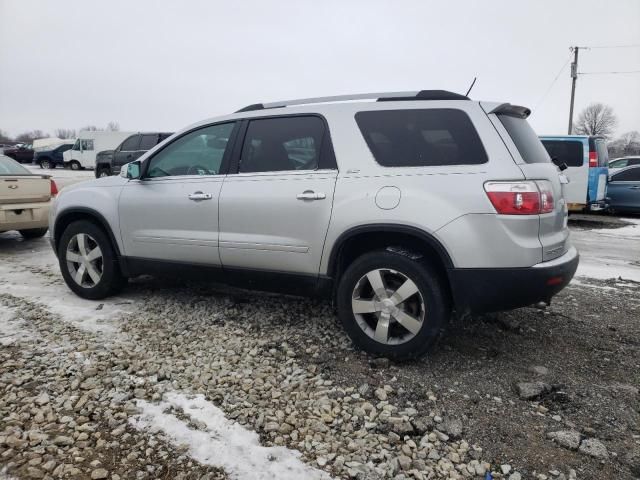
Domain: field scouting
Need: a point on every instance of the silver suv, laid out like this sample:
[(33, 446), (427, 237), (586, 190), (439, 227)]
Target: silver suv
[(400, 210)]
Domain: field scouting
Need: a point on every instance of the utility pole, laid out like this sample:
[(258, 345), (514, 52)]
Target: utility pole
[(574, 77)]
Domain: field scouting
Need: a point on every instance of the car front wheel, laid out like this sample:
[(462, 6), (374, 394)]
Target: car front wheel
[(88, 261), (391, 304)]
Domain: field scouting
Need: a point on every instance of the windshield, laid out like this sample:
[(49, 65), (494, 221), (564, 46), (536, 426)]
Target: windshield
[(8, 166)]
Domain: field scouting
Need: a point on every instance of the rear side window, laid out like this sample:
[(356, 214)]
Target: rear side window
[(526, 141), (568, 152), (281, 144), (130, 144), (148, 142), (421, 138), (631, 175)]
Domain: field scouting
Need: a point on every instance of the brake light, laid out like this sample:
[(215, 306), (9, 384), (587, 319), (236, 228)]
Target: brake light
[(54, 188), (593, 159), (521, 198)]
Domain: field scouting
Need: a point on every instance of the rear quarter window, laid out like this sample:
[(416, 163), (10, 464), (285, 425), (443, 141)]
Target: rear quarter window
[(570, 152), (525, 139), (421, 138)]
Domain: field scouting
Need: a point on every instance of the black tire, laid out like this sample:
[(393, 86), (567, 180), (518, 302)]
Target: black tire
[(33, 232), (74, 165), (103, 172), (45, 163), (111, 281), (437, 309)]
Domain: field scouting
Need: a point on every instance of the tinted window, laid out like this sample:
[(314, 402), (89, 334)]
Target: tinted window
[(526, 141), (130, 144), (148, 142), (418, 138), (631, 175), (279, 144), (569, 152), (76, 146), (9, 166), (197, 153)]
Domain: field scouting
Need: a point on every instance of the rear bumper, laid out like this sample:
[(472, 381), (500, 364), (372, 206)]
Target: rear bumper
[(24, 216), (481, 290)]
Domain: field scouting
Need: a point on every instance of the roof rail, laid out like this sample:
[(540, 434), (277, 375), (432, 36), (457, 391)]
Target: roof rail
[(380, 97)]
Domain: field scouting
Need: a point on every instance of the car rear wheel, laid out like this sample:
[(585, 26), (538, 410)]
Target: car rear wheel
[(88, 261), (45, 163), (392, 305), (74, 165), (33, 232)]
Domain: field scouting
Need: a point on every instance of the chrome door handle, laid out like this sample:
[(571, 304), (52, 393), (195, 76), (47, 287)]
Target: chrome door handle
[(311, 195), (200, 196)]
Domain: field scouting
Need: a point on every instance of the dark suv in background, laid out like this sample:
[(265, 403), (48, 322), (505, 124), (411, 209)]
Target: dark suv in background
[(51, 157), (109, 162)]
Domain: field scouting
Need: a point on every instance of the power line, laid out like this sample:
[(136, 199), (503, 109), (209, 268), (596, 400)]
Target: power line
[(544, 96), (606, 73), (634, 45)]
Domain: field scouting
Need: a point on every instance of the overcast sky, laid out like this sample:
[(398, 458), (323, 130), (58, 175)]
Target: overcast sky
[(161, 65)]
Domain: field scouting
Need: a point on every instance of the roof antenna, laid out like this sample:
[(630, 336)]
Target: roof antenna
[(472, 84)]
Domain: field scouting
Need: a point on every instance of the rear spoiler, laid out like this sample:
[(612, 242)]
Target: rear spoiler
[(511, 110)]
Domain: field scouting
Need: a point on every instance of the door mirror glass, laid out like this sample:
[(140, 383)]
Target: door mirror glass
[(130, 170)]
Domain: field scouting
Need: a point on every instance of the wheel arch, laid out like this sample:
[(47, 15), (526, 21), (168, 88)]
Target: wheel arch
[(362, 238), (70, 215)]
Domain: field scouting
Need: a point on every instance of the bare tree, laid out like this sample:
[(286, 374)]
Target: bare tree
[(596, 119), (4, 137), (90, 128), (65, 133), (627, 144), (113, 127), (29, 137)]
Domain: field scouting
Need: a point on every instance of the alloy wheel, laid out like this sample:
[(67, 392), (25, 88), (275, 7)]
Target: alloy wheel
[(388, 306), (84, 260)]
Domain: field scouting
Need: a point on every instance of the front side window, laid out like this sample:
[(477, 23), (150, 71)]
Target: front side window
[(569, 152), (197, 153), (421, 138), (86, 144), (130, 144), (282, 144), (76, 146), (631, 175)]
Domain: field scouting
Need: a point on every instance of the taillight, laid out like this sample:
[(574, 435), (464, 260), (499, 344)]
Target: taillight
[(593, 159), (521, 198), (54, 188)]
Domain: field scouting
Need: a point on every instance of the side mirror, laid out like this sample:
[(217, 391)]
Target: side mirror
[(130, 170)]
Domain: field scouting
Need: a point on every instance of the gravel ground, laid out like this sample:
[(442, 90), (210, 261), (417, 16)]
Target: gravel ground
[(527, 394)]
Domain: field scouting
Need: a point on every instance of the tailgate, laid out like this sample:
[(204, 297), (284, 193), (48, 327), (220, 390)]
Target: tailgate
[(24, 189), (534, 161)]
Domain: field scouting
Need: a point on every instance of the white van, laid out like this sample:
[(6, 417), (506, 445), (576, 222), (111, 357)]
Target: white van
[(88, 144)]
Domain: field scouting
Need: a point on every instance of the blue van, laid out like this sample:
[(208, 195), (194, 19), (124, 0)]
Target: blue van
[(587, 160)]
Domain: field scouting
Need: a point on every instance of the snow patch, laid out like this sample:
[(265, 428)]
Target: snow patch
[(55, 296), (606, 268), (224, 443)]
